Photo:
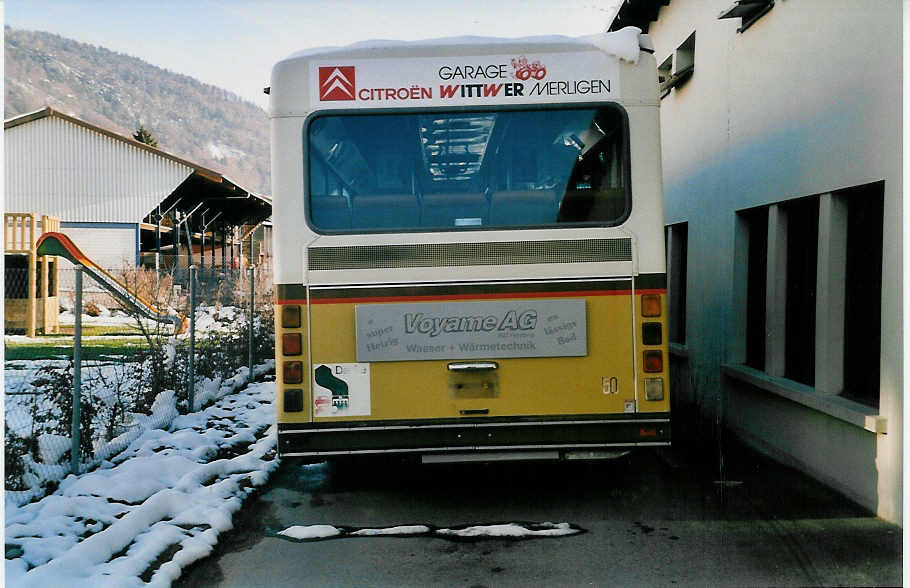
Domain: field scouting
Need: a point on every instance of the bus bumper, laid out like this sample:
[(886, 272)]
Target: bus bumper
[(494, 435)]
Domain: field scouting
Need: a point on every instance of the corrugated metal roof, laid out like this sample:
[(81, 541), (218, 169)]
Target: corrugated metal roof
[(50, 112), (58, 164)]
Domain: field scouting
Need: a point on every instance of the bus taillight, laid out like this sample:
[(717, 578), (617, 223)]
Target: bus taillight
[(653, 361), (290, 316), (293, 372), (293, 400), (291, 344), (650, 305)]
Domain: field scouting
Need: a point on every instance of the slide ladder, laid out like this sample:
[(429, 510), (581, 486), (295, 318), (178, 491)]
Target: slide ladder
[(59, 244)]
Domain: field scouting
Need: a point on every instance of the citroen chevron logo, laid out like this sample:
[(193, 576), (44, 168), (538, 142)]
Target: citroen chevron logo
[(336, 83)]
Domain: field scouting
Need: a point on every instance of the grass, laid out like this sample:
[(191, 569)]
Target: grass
[(102, 330), (107, 347)]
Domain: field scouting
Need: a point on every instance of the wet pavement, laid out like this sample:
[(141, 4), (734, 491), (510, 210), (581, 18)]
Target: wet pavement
[(657, 517)]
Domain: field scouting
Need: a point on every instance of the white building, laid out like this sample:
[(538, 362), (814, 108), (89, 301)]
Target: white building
[(782, 158), (110, 191)]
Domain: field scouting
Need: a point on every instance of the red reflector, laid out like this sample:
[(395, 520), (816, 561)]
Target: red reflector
[(647, 432), (291, 344), (290, 316), (650, 305), (653, 361), (293, 372)]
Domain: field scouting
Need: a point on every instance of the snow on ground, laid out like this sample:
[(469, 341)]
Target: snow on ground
[(106, 318), (110, 385), (307, 532), (153, 508), (512, 530), (222, 151), (398, 531), (499, 530), (208, 318)]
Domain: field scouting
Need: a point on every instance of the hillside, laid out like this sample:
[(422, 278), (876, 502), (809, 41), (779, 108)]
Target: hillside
[(196, 121)]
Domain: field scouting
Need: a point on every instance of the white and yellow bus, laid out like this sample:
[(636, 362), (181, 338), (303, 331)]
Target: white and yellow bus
[(469, 249)]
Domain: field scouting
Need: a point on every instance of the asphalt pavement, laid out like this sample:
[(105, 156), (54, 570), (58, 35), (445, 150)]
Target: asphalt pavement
[(656, 517)]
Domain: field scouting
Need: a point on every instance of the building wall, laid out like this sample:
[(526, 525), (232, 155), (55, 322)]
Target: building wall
[(55, 167), (805, 102), (112, 246)]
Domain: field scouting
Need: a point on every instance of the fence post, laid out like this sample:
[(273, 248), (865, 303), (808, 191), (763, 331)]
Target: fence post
[(75, 454), (191, 386), (252, 308)]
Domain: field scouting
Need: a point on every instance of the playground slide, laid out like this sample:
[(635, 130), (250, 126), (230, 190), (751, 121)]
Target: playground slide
[(60, 244)]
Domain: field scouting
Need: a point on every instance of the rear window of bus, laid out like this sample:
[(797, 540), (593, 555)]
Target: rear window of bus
[(397, 172)]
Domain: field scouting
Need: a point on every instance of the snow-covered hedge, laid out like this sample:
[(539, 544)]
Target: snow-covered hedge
[(122, 398)]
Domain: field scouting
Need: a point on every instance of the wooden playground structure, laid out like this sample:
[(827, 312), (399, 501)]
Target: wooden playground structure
[(34, 307)]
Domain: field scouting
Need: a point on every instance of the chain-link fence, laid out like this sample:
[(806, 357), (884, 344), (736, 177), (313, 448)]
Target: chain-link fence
[(134, 369)]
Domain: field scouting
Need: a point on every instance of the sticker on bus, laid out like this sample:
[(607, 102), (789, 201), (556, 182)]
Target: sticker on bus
[(341, 389)]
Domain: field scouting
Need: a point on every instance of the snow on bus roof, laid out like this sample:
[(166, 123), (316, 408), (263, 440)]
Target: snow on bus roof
[(623, 43)]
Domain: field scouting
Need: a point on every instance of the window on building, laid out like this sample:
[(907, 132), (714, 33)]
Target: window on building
[(685, 58), (678, 68), (677, 242), (756, 222), (748, 10), (802, 259), (665, 75), (813, 286), (863, 295)]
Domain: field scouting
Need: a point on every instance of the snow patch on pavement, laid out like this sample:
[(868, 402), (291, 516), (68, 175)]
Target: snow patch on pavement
[(512, 530), (309, 532), (492, 531), (398, 531)]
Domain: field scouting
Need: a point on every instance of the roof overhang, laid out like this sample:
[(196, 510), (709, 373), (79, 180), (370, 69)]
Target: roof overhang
[(220, 202), (637, 13)]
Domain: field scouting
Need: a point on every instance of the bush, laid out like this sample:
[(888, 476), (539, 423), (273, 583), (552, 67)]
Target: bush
[(32, 457), (111, 396), (225, 348), (14, 448), (148, 285), (57, 385)]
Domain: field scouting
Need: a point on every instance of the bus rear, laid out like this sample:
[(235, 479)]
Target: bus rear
[(469, 250)]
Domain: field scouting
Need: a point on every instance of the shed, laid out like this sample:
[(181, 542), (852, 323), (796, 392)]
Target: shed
[(124, 202)]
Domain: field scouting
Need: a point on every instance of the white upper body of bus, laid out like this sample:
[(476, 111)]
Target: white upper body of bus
[(467, 140)]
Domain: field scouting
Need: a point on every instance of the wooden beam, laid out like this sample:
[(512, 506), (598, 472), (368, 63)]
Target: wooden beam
[(152, 227)]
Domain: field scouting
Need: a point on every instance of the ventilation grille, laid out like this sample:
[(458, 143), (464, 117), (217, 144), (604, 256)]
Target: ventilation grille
[(463, 254)]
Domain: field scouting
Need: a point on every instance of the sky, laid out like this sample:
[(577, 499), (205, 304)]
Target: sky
[(233, 44)]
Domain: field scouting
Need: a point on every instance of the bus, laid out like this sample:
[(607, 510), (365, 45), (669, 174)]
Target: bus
[(469, 249)]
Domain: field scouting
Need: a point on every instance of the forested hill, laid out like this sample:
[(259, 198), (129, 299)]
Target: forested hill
[(193, 120)]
